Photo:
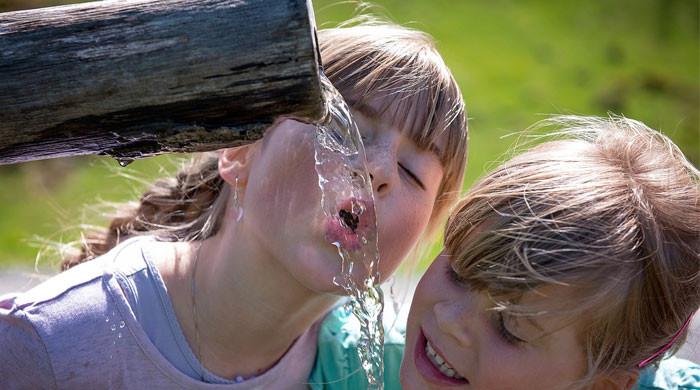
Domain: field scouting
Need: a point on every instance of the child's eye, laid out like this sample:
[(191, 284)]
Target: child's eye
[(504, 333), (500, 325), (412, 176)]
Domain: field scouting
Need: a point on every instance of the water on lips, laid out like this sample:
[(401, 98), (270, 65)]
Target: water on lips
[(349, 219)]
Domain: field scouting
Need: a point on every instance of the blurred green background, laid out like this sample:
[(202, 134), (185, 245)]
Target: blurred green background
[(516, 61)]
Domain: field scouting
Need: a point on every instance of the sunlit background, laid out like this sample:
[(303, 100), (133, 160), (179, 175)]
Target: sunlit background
[(516, 62)]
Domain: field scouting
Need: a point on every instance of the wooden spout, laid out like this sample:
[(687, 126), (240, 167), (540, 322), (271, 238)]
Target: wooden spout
[(137, 78)]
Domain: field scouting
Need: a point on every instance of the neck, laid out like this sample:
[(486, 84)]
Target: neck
[(247, 310)]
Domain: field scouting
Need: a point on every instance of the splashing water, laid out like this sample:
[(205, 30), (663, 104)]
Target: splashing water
[(347, 197)]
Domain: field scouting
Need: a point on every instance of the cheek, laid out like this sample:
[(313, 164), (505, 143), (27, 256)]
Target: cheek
[(430, 289), (397, 236), (426, 295), (403, 219), (283, 184), (289, 164), (534, 370)]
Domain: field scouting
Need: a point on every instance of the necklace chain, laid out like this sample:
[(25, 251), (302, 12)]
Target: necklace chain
[(193, 288)]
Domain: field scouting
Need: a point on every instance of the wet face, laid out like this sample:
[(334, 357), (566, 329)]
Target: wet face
[(282, 199), (454, 340)]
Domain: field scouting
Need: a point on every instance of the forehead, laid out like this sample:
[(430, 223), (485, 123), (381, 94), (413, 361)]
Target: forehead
[(406, 114)]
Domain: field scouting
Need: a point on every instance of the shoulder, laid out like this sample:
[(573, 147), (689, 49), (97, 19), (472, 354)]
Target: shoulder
[(337, 364), (671, 374), (24, 361), (82, 275), (83, 278), (67, 311)]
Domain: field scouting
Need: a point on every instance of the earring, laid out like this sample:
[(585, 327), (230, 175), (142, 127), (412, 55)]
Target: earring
[(237, 208)]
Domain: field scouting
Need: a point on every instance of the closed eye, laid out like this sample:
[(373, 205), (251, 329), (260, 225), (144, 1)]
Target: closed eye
[(499, 320), (413, 177), (504, 333)]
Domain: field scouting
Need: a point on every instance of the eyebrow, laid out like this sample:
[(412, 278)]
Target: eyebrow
[(431, 147), (535, 324), (530, 320), (365, 109)]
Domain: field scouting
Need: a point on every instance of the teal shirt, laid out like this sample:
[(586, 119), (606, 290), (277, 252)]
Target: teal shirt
[(672, 374), (338, 367)]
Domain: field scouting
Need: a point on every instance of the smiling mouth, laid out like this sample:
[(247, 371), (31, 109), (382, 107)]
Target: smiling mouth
[(432, 365), (440, 363)]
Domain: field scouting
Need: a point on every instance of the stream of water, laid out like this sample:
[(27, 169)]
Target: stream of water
[(347, 198)]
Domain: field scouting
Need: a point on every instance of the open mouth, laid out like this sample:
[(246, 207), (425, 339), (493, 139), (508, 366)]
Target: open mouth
[(433, 366), (349, 219), (352, 226)]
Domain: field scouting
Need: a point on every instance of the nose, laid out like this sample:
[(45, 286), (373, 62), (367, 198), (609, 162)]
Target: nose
[(380, 174), (455, 320)]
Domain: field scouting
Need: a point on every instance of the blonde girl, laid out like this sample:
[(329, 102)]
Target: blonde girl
[(574, 265), (222, 276)]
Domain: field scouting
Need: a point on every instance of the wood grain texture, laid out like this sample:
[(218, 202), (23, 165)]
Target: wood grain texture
[(135, 78)]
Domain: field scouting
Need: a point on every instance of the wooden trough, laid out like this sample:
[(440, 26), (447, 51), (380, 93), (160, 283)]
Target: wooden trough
[(137, 78)]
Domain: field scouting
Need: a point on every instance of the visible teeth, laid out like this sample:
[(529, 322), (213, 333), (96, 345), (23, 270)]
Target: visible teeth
[(440, 363), (439, 359)]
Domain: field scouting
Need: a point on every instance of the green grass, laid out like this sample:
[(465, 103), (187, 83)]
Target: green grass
[(516, 61), (35, 207)]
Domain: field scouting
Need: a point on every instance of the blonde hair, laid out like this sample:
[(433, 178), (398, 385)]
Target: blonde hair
[(610, 209), (400, 69), (398, 65)]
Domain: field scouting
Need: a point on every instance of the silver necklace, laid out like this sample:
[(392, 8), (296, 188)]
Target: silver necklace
[(193, 288)]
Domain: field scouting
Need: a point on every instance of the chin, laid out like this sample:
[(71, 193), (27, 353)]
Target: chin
[(408, 380), (315, 269), (318, 277)]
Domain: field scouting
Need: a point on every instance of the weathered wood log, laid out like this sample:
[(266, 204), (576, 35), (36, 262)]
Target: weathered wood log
[(137, 78)]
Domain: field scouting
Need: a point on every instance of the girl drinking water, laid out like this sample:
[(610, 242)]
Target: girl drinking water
[(222, 275), (575, 265)]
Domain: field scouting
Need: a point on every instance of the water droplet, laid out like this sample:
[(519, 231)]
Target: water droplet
[(121, 324), (119, 335), (124, 161), (106, 319), (113, 327)]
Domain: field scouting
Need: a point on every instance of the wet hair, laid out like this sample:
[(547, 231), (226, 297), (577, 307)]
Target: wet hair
[(397, 65), (609, 209)]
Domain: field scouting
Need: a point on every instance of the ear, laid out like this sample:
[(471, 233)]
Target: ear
[(234, 164), (618, 380)]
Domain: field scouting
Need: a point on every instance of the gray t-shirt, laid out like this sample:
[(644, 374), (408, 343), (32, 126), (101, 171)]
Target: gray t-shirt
[(80, 329)]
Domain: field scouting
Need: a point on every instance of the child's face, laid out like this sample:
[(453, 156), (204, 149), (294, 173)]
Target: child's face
[(283, 202), (540, 352)]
